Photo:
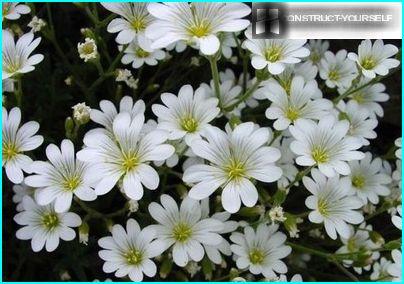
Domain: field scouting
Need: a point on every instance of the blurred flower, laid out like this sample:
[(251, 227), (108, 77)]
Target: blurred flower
[(13, 11), (36, 24), (395, 269), (317, 49), (398, 142), (397, 219)]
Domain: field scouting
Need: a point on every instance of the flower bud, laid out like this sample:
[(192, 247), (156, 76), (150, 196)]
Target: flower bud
[(81, 113), (84, 229)]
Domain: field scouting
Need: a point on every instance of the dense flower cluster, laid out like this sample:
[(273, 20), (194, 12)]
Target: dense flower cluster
[(213, 180)]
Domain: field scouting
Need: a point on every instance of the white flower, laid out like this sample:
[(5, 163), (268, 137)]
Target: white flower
[(185, 115), (36, 24), (235, 158), (380, 270), (21, 190), (227, 43), (325, 145), (68, 81), (139, 53), (359, 241), (275, 54), (124, 75), (261, 251), (214, 252), (286, 108), (129, 252), (192, 268), (125, 154), (135, 19), (16, 56), (337, 70), (375, 59), (13, 11), (361, 122), (369, 96), (397, 219), (108, 112), (196, 23), (286, 162), (317, 49), (62, 177), (184, 228), (294, 278), (276, 214), (43, 226), (81, 113), (398, 143), (178, 46), (16, 141), (368, 182), (88, 49), (331, 203), (395, 269)]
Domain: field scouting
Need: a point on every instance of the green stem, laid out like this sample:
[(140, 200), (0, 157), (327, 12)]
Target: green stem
[(345, 271), (18, 92), (216, 79), (246, 95), (299, 176)]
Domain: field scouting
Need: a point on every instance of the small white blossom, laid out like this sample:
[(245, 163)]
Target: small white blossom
[(196, 23), (325, 144), (185, 116), (139, 53), (276, 214), (16, 141), (184, 228), (337, 70), (398, 143), (16, 55), (43, 226), (380, 270), (36, 24), (81, 113), (375, 59), (317, 49), (261, 250), (397, 219), (129, 252), (235, 158), (275, 54), (21, 190), (88, 49), (331, 203), (395, 269), (62, 177), (368, 182)]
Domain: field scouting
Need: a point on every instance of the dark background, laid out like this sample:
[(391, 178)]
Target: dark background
[(48, 100)]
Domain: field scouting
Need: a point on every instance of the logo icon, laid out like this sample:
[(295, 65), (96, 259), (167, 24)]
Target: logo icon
[(268, 21)]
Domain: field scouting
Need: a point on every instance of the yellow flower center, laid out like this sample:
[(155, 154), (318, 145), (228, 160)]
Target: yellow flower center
[(199, 28), (189, 124), (351, 245), (315, 56), (359, 97), (273, 53), (319, 155), (368, 63), (256, 256), (138, 24), (133, 257), (334, 75), (71, 183), (9, 151), (88, 48), (358, 181), (130, 161), (235, 169), (50, 221), (292, 113), (182, 232), (322, 207), (286, 84), (141, 53)]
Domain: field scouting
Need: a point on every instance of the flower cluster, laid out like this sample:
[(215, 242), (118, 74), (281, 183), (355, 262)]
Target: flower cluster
[(231, 177)]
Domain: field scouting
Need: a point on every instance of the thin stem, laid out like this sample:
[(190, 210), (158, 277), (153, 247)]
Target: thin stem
[(299, 176), (18, 92), (216, 80), (313, 251), (345, 271), (244, 97)]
